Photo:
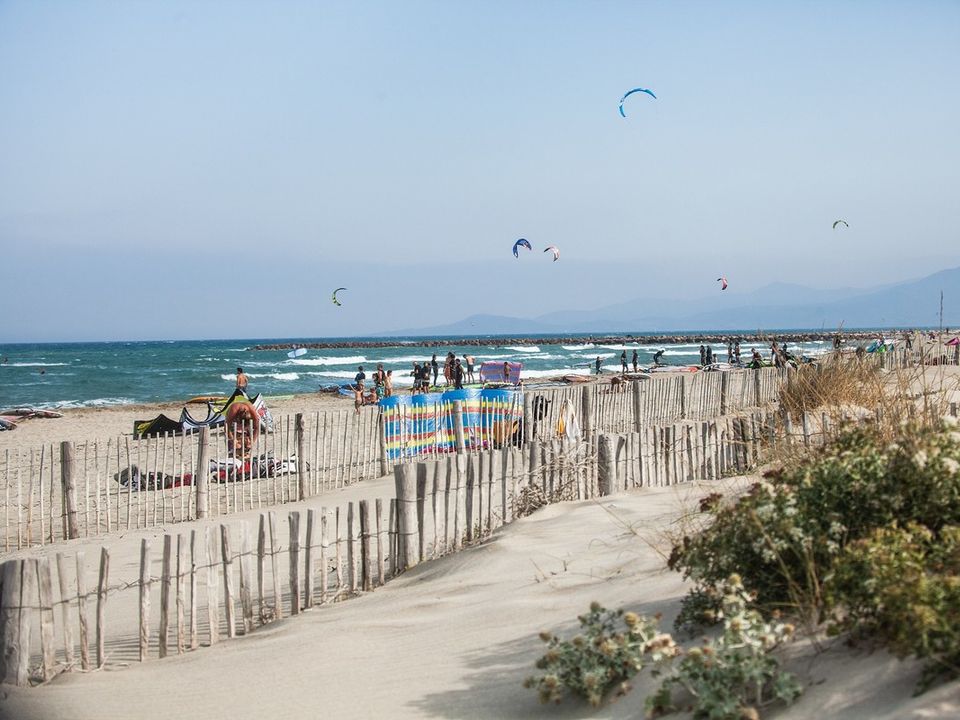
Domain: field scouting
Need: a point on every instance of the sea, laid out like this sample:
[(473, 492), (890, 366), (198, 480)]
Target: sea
[(95, 374)]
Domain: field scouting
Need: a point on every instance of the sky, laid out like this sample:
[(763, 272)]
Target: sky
[(186, 170)]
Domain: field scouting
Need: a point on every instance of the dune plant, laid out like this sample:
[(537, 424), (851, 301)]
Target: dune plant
[(735, 675), (785, 534), (611, 647), (902, 585)]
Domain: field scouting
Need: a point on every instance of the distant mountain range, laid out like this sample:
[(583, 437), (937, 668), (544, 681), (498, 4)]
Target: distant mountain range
[(915, 303)]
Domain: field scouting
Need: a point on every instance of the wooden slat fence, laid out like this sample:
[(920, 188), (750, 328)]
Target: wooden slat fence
[(222, 580)]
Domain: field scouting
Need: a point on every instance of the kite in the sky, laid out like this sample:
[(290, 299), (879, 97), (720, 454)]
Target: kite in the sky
[(334, 297), (518, 244), (723, 282), (556, 252), (635, 90), (837, 222)]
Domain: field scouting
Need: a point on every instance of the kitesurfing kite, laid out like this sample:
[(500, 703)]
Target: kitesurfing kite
[(635, 90), (296, 352), (837, 222), (723, 282), (518, 244), (334, 297), (556, 253)]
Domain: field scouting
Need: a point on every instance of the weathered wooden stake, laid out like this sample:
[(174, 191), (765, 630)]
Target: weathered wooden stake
[(294, 523), (201, 474), (144, 599)]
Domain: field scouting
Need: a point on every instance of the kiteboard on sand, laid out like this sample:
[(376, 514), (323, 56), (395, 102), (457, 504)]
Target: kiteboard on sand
[(202, 399)]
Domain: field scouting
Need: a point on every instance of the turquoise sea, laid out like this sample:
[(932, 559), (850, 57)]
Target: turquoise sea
[(62, 375)]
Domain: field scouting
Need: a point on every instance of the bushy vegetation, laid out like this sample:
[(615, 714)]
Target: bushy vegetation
[(734, 675), (727, 678), (861, 532), (902, 585), (611, 647)]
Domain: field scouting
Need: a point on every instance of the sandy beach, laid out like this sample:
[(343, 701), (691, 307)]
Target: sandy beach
[(455, 638)]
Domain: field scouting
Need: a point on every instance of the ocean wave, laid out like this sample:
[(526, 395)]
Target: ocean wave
[(314, 361), (72, 404), (586, 346), (32, 364), (273, 376), (594, 356), (623, 347), (527, 374), (523, 348)]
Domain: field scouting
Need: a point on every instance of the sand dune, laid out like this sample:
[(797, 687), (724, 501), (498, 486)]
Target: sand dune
[(454, 638)]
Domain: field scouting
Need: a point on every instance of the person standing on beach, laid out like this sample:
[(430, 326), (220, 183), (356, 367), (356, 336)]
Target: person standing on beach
[(709, 354), (457, 375), (506, 371), (623, 362), (360, 378), (729, 351), (435, 366), (736, 352), (703, 355), (448, 369), (599, 369), (636, 361), (416, 379), (470, 363), (241, 380), (388, 384)]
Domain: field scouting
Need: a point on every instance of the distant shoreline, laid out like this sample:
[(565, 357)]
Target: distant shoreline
[(664, 339)]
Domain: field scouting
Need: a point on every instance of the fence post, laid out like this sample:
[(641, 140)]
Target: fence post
[(756, 386), (294, 526), (458, 426), (405, 478), (637, 405), (201, 476), (684, 389), (366, 557), (587, 409), (69, 488), (527, 417), (14, 622), (724, 392), (303, 480), (606, 465), (384, 460)]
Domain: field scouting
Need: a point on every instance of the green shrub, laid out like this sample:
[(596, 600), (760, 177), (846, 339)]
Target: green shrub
[(784, 536), (902, 585), (731, 677), (611, 647)]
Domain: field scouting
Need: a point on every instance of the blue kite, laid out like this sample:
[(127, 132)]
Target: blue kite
[(520, 243), (635, 90)]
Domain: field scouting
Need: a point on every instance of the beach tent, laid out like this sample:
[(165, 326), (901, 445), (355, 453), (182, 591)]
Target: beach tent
[(492, 372), (953, 342)]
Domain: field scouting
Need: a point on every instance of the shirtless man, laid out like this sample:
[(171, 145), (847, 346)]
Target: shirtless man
[(241, 380)]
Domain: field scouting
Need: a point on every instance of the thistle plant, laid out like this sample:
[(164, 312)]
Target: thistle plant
[(610, 648), (733, 676)]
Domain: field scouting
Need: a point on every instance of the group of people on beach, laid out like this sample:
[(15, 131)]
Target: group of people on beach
[(455, 372), (382, 386)]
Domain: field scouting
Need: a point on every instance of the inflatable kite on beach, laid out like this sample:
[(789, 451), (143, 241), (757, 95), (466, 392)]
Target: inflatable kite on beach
[(723, 282), (556, 252), (334, 298), (518, 244), (837, 222), (635, 90)]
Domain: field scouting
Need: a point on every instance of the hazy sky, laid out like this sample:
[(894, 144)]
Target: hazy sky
[(204, 169)]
